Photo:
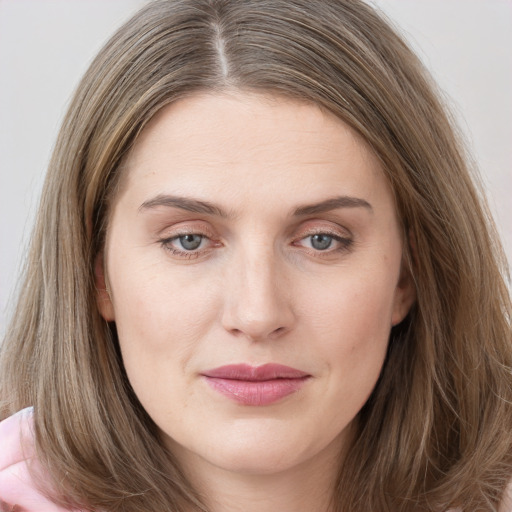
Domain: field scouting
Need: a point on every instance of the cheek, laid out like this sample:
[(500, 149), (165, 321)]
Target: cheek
[(160, 320), (351, 321), (155, 303), (355, 302), (158, 345)]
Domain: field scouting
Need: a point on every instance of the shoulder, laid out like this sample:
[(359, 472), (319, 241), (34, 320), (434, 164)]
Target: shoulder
[(506, 505), (17, 451)]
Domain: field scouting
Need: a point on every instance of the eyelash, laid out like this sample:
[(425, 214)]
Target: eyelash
[(345, 244), (189, 255)]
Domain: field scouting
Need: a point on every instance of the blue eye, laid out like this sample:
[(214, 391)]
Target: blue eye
[(321, 242), (190, 245), (190, 242), (325, 242)]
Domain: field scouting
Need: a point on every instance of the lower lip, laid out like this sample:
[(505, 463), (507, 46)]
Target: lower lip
[(264, 392)]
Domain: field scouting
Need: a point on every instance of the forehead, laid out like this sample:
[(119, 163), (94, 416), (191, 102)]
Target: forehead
[(247, 143)]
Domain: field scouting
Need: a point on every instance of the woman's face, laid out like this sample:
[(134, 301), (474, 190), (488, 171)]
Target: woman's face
[(254, 260)]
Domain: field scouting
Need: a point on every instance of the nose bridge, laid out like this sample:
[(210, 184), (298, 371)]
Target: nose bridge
[(257, 303)]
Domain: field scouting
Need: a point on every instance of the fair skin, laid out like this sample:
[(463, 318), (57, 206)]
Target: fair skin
[(250, 230)]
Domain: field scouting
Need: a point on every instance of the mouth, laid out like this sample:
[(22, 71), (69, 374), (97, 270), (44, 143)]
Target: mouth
[(255, 385)]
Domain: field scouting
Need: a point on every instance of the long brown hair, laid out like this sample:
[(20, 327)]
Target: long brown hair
[(436, 431)]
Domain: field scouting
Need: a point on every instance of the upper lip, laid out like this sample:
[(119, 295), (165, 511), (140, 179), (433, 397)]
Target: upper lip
[(247, 372)]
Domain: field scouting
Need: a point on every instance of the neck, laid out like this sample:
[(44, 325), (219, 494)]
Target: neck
[(307, 487)]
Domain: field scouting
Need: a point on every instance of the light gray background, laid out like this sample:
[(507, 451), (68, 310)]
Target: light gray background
[(46, 45)]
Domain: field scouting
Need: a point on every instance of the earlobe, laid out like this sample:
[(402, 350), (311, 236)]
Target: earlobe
[(405, 295), (103, 297), (405, 292)]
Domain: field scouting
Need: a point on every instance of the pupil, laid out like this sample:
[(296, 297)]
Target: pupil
[(321, 242), (190, 242)]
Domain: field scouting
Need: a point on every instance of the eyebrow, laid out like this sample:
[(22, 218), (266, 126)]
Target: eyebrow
[(183, 203), (333, 204), (205, 207)]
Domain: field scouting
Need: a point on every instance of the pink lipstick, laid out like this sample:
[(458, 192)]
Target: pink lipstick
[(255, 385)]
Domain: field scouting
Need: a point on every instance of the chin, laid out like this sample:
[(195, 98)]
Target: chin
[(257, 462)]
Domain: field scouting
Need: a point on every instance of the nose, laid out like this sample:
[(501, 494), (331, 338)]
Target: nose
[(258, 301)]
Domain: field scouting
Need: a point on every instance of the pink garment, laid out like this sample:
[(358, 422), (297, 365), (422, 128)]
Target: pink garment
[(17, 491)]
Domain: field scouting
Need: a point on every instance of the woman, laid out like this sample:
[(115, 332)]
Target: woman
[(261, 279)]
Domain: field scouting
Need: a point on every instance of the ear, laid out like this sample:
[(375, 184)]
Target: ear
[(405, 292), (103, 298), (405, 295)]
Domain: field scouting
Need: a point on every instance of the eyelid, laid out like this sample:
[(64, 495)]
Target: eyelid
[(320, 226), (166, 244), (345, 242), (200, 228), (341, 235), (189, 227)]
